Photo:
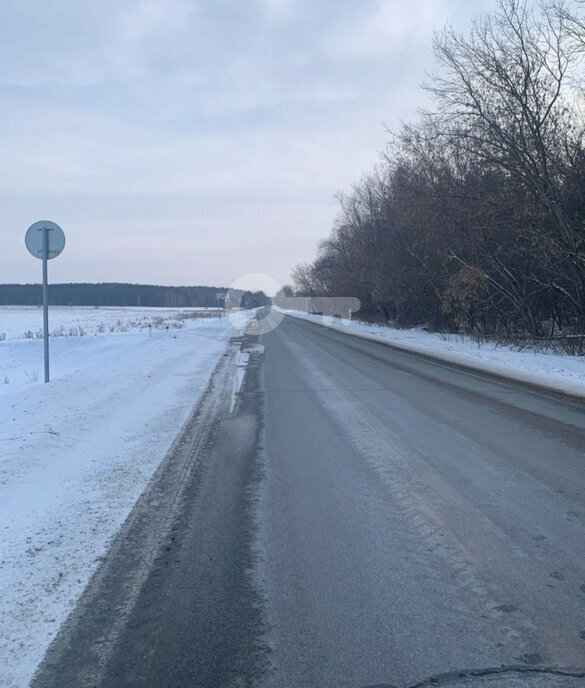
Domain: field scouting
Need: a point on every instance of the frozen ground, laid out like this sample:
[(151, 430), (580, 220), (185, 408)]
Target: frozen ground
[(77, 453), (559, 373)]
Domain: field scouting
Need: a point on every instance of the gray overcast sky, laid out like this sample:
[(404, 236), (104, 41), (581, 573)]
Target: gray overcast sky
[(194, 141)]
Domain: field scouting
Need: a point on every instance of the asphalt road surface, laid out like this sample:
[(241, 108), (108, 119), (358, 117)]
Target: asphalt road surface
[(363, 517)]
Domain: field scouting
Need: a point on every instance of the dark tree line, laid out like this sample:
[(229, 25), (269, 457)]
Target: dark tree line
[(254, 299), (110, 294), (475, 217)]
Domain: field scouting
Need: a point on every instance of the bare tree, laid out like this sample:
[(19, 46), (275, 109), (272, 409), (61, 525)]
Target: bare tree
[(476, 217), (504, 96)]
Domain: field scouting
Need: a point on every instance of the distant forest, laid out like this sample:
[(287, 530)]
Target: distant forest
[(109, 294), (474, 219)]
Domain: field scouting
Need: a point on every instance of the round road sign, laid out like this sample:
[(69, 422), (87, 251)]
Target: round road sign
[(34, 239)]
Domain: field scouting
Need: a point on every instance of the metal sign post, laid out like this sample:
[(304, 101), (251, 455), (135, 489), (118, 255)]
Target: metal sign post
[(45, 240), (45, 232), (220, 295)]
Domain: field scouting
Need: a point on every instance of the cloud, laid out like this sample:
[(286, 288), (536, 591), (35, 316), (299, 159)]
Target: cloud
[(385, 30), (141, 22), (76, 44), (119, 116), (280, 11)]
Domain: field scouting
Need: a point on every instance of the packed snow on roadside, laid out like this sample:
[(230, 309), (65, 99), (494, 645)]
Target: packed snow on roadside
[(76, 454), (561, 373)]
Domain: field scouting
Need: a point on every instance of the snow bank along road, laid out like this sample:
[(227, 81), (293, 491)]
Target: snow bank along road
[(363, 516), (555, 372), (76, 454)]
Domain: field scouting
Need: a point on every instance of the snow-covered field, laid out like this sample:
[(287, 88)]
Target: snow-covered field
[(21, 353), (76, 454), (26, 322), (559, 373)]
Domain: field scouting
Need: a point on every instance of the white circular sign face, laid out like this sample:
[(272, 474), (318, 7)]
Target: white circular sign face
[(34, 239)]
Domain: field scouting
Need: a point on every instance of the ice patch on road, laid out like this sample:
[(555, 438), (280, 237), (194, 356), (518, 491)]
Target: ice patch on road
[(243, 358), (242, 364)]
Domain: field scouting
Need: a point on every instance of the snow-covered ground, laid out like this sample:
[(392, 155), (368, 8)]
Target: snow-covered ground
[(76, 454), (556, 372), (73, 329), (26, 322)]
